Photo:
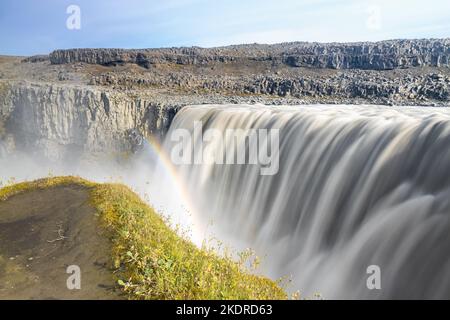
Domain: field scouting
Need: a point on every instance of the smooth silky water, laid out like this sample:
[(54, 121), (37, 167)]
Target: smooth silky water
[(356, 186)]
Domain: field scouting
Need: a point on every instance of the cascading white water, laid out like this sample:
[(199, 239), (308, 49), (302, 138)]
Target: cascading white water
[(2, 150), (356, 186)]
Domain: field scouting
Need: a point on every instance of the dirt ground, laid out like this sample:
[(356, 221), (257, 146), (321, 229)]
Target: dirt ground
[(42, 232)]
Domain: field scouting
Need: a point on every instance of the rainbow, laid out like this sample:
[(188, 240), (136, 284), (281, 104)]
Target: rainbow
[(170, 172)]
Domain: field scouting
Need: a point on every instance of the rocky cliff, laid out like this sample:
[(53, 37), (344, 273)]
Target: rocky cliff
[(62, 122), (384, 55)]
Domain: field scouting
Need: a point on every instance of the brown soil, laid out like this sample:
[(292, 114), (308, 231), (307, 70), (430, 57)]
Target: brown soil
[(42, 232)]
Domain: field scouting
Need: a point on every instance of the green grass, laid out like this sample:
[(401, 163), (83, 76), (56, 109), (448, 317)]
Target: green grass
[(152, 261)]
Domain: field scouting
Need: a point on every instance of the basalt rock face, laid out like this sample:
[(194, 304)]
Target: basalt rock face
[(62, 122), (144, 57), (384, 55), (352, 84)]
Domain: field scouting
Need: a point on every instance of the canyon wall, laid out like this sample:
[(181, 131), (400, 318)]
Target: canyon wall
[(58, 121), (383, 55)]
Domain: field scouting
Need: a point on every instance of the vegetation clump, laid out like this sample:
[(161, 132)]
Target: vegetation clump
[(150, 260)]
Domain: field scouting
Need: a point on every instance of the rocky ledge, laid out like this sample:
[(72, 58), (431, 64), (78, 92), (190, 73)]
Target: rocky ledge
[(383, 55)]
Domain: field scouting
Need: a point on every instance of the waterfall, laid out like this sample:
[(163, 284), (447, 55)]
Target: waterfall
[(356, 186), (2, 150)]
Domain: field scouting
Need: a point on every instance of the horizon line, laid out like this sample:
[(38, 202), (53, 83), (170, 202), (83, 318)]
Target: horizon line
[(230, 45)]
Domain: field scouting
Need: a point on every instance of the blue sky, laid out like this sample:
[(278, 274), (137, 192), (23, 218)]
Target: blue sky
[(39, 26)]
